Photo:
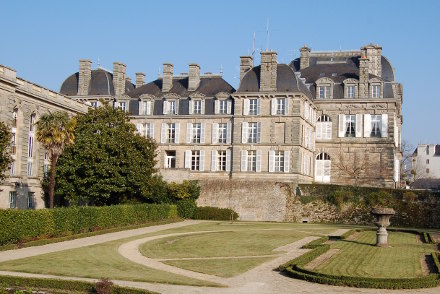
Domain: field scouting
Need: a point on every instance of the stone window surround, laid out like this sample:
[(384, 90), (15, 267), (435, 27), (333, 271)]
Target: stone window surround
[(351, 82), (375, 82), (324, 81), (143, 99)]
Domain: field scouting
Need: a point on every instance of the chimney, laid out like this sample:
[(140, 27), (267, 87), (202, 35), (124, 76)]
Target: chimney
[(167, 79), (374, 54), (268, 71), (85, 74), (140, 79), (363, 76), (304, 57), (119, 78), (246, 64), (194, 77)]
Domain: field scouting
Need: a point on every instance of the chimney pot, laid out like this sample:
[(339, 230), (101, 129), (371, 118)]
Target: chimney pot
[(194, 77), (167, 79), (85, 75), (140, 79)]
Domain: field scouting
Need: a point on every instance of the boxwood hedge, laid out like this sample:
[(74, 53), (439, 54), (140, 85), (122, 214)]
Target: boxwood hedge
[(214, 213), (24, 225)]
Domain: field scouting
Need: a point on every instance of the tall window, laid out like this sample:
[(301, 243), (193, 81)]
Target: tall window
[(149, 130), (195, 160), (253, 106), (222, 132), (122, 106), (350, 125), (32, 123), (375, 91), (350, 91), (31, 144), (252, 160), (30, 200), (376, 126), (223, 106), (324, 92), (12, 168), (279, 161), (221, 160), (323, 168), (252, 132), (46, 164), (281, 106), (171, 133), (196, 132), (170, 159), (197, 105), (324, 128), (12, 199)]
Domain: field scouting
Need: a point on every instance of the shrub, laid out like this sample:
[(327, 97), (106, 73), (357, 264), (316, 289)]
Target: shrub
[(381, 198), (409, 197), (25, 225), (104, 286), (215, 213), (186, 208)]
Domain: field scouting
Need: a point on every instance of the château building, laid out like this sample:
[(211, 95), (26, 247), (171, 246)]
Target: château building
[(330, 117)]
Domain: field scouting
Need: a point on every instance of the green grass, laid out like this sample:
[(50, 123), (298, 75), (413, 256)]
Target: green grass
[(220, 244), (225, 267), (97, 261), (360, 258)]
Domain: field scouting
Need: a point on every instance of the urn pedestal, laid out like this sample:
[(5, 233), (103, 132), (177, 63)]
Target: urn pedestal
[(382, 215)]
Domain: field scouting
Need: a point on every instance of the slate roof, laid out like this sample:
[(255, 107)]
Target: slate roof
[(209, 86), (101, 83), (287, 81)]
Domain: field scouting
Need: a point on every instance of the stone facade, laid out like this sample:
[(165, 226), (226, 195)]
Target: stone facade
[(426, 162), (21, 104)]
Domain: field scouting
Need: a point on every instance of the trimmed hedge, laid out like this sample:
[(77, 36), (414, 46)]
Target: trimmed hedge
[(52, 284), (295, 268), (214, 213), (25, 225), (186, 208)]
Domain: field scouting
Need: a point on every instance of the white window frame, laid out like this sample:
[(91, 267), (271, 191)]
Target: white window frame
[(376, 90), (323, 168), (351, 91), (324, 91), (223, 106), (222, 133), (169, 159), (171, 133), (30, 200), (324, 128), (254, 106), (12, 199)]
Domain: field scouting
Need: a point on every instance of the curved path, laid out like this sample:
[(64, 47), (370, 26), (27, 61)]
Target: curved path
[(261, 279)]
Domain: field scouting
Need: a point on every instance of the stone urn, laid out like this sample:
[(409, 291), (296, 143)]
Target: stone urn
[(382, 215)]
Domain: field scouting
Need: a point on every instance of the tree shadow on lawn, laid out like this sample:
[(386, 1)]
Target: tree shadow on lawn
[(358, 242)]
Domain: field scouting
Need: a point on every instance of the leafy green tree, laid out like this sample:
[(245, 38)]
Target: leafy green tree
[(55, 132), (5, 156), (109, 162)]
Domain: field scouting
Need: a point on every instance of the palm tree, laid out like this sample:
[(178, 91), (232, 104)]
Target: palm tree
[(54, 132)]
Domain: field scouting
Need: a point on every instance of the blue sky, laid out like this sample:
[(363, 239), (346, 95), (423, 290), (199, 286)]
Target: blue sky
[(43, 40)]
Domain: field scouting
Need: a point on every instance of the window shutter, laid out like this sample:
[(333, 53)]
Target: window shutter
[(396, 170), (214, 139), (259, 132), (312, 138), (341, 132), (140, 107), (385, 125), (165, 107), (229, 107), (243, 160), (367, 125), (176, 140), (228, 160), (319, 130), (163, 133), (176, 110), (228, 133), (244, 132), (151, 127), (188, 133), (213, 160), (216, 106), (245, 106), (271, 161), (328, 130), (202, 111), (327, 171), (187, 158), (202, 133), (396, 132), (258, 161), (319, 170), (148, 108), (139, 128), (273, 106), (286, 161), (306, 111), (258, 106), (286, 111), (358, 125), (202, 160)]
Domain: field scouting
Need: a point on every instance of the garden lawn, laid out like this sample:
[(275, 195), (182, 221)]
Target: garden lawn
[(224, 267), (362, 258)]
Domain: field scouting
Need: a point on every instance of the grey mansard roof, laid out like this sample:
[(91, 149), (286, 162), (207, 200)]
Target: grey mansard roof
[(101, 83), (209, 86), (287, 81)]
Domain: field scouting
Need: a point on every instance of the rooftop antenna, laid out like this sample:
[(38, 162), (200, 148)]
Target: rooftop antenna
[(221, 69), (253, 46), (158, 71), (99, 64), (267, 35)]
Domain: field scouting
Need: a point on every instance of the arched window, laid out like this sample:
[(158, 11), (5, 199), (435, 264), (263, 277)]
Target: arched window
[(324, 128), (323, 168)]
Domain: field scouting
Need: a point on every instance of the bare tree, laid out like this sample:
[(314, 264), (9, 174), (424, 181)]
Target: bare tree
[(407, 150)]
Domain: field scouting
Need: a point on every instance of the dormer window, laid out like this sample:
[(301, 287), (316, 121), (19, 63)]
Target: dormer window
[(122, 105), (170, 107), (350, 91), (324, 92), (375, 91), (223, 106), (324, 88), (197, 107)]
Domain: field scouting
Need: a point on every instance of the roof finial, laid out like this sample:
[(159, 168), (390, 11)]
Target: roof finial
[(221, 69), (99, 64)]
